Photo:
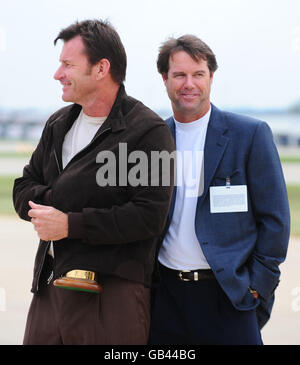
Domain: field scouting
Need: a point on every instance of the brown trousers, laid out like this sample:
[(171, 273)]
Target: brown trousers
[(119, 315)]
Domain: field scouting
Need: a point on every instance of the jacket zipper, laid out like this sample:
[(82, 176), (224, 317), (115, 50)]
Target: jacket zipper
[(48, 243), (41, 267), (57, 164)]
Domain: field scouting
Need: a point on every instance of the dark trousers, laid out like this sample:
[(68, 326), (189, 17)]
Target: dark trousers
[(198, 312), (119, 315)]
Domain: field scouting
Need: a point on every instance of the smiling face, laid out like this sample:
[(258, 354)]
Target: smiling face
[(188, 85), (75, 73)]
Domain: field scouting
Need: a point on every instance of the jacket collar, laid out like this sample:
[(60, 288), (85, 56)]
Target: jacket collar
[(216, 122), (115, 121)]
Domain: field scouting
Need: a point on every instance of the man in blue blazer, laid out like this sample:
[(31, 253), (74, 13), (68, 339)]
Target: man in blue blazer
[(229, 222)]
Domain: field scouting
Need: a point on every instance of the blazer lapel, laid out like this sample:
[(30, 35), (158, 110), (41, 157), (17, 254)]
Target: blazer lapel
[(171, 124), (215, 145)]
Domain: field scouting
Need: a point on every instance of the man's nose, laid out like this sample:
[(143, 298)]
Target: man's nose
[(58, 74), (189, 82)]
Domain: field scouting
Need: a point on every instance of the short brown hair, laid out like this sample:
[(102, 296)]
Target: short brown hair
[(101, 41), (190, 44)]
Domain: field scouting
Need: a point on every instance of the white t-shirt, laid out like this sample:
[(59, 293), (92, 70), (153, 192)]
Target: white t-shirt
[(181, 249), (78, 137)]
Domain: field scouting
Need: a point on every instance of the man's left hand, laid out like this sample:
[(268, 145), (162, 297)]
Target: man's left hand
[(51, 224)]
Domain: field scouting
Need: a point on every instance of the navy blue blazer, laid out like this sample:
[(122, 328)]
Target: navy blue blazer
[(244, 249)]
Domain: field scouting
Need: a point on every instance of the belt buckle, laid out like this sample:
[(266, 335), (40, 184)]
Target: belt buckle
[(180, 275)]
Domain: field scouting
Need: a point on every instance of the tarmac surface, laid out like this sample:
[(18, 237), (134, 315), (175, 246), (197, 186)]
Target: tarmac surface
[(18, 246)]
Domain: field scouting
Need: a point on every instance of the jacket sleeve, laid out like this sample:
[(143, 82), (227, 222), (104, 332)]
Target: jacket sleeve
[(145, 211), (31, 185), (267, 191)]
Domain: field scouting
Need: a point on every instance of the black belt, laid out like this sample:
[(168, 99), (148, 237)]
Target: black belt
[(190, 275)]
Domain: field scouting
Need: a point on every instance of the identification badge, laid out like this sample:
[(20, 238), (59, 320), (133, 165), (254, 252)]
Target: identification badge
[(228, 199)]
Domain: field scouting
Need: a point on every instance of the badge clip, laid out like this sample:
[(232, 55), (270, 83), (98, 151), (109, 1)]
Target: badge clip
[(228, 182)]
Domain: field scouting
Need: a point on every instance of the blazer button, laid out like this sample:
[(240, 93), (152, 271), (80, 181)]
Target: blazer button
[(204, 243)]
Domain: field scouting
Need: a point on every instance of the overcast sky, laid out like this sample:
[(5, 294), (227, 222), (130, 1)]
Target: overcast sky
[(257, 44)]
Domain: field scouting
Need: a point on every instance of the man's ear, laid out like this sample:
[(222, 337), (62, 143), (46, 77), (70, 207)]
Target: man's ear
[(103, 68), (164, 77)]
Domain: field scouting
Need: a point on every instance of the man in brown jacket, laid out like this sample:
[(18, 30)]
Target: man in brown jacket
[(93, 208)]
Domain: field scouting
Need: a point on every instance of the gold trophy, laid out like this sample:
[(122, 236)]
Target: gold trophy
[(79, 280)]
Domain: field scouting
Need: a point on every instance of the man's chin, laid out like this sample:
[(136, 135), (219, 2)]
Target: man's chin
[(189, 109), (66, 98)]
